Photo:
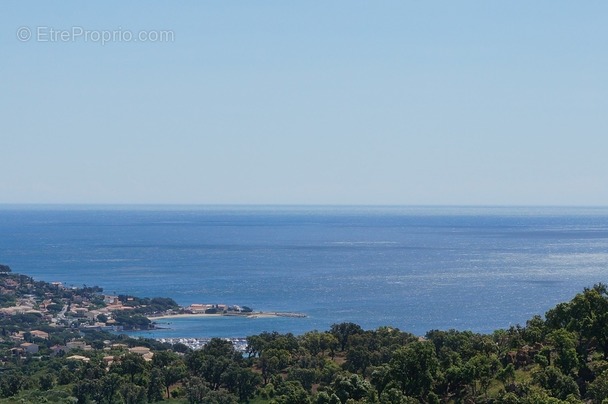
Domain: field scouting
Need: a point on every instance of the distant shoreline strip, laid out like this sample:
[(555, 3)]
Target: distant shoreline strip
[(260, 314)]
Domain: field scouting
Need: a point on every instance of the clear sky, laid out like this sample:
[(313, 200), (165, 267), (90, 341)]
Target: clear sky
[(305, 102)]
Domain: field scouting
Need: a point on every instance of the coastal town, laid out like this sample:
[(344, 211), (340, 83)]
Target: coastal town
[(32, 313)]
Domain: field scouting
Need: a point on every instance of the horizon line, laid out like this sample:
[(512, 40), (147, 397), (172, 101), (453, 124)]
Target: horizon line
[(287, 205)]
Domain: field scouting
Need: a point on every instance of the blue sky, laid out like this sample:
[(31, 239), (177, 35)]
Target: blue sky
[(306, 102)]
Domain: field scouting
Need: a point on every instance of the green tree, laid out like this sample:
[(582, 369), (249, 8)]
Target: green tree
[(80, 391), (535, 331), (598, 388), (172, 374), (172, 369), (131, 364), (415, 368), (396, 396), (273, 361), (155, 385), (456, 380), (162, 359), (11, 383), (255, 345), (195, 390), (381, 377), (352, 386), (343, 331), (46, 381), (564, 345), (242, 382), (558, 384), (587, 315), (291, 392), (507, 374), (132, 393), (311, 341), (482, 368), (65, 376), (306, 377), (213, 360), (358, 359), (108, 387)]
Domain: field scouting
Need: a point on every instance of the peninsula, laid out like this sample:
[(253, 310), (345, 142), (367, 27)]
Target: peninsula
[(214, 310), (90, 308)]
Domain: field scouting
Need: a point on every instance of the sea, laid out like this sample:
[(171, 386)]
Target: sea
[(412, 268)]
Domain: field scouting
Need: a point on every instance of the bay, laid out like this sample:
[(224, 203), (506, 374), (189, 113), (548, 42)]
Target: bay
[(415, 268)]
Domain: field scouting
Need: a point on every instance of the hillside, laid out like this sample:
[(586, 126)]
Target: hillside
[(54, 346)]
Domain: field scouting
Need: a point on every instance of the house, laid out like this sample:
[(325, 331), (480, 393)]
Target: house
[(79, 358), (29, 348), (92, 315), (58, 349), (143, 351), (39, 334), (45, 303), (20, 309), (78, 345), (17, 351), (109, 360), (80, 311), (198, 308), (107, 299), (195, 308)]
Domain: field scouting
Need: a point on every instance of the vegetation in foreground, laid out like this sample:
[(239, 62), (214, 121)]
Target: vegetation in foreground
[(561, 358)]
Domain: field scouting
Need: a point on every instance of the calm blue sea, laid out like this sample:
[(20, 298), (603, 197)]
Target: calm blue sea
[(415, 268)]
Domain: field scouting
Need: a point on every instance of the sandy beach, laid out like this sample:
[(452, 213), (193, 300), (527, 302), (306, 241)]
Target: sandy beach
[(244, 315)]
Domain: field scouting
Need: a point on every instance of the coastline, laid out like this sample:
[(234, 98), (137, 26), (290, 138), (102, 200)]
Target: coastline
[(259, 314)]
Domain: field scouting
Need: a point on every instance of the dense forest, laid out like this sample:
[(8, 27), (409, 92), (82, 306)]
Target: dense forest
[(559, 358)]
